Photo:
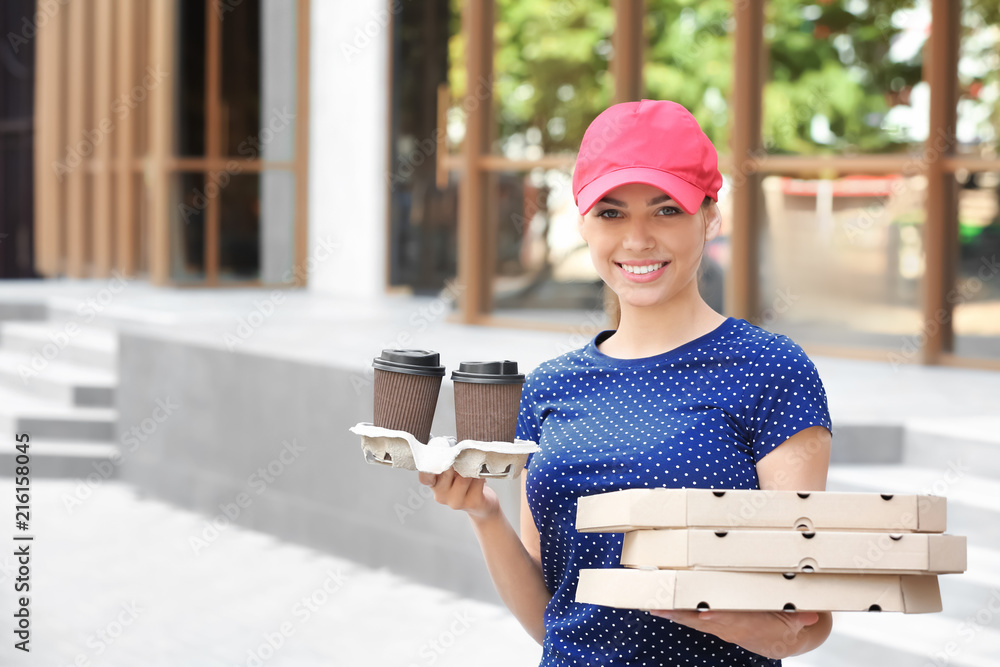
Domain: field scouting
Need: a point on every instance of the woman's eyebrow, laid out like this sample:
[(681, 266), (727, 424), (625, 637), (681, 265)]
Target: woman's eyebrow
[(652, 202), (658, 200)]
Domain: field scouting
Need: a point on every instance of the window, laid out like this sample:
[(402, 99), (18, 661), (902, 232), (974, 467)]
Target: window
[(180, 131), (858, 197)]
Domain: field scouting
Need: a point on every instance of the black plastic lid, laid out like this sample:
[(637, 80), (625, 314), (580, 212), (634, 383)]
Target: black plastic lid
[(414, 362), (488, 372)]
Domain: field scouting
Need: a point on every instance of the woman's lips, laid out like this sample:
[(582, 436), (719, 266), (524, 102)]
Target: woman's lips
[(633, 276)]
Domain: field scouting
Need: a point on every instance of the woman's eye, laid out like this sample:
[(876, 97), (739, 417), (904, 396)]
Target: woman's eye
[(669, 210), (609, 213)]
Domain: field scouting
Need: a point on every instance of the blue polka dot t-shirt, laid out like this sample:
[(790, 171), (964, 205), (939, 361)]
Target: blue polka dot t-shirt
[(700, 415)]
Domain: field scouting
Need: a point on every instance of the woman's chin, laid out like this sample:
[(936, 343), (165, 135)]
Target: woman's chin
[(642, 300)]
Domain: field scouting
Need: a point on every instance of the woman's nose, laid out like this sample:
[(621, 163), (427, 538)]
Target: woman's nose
[(638, 236)]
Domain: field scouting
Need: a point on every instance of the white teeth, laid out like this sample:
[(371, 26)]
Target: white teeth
[(640, 270)]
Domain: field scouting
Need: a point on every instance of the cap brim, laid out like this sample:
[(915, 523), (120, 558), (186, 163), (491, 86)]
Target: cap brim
[(687, 196)]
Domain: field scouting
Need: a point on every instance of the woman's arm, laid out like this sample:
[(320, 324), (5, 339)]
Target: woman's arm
[(798, 464), (514, 563)]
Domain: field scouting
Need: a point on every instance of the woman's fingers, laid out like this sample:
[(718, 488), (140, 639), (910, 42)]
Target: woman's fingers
[(769, 633), (457, 492), (461, 493), (443, 487), (798, 619), (453, 490), (474, 494)]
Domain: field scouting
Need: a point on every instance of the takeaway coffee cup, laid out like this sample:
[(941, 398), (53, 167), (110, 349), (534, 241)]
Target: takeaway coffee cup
[(407, 383), (487, 398)]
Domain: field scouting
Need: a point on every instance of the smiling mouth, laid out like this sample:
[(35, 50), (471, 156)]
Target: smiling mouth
[(642, 269)]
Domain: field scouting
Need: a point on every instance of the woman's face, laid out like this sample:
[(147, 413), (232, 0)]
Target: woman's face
[(644, 246)]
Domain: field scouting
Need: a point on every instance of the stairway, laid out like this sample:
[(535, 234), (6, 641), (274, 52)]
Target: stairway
[(57, 384), (959, 460)]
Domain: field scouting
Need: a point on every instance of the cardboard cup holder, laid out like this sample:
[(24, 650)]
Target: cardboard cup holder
[(469, 458)]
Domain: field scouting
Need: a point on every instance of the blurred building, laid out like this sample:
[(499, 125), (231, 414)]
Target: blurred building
[(194, 143), (288, 186)]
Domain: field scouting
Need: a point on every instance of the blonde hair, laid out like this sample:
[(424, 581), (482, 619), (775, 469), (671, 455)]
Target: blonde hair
[(613, 307)]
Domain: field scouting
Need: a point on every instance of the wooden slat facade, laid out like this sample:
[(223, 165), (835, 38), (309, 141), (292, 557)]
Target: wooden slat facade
[(105, 109), (110, 207)]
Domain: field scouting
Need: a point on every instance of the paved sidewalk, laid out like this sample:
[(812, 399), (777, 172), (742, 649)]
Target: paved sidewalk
[(115, 583)]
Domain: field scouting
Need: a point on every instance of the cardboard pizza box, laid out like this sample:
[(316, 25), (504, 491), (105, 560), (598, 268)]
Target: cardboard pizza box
[(758, 591), (634, 509), (795, 551)]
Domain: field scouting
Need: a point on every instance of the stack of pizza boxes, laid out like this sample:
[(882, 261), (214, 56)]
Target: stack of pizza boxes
[(704, 549)]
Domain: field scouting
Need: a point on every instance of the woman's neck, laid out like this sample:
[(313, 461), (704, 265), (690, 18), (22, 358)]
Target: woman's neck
[(648, 331)]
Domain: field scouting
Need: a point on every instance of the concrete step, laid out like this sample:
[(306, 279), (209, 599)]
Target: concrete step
[(936, 443), (909, 640), (63, 341), (973, 501), (46, 419), (64, 459), (63, 308), (864, 442), (799, 661), (964, 596), (973, 511), (23, 310), (61, 381)]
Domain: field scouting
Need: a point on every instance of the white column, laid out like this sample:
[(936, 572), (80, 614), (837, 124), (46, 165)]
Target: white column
[(348, 135), (277, 134)]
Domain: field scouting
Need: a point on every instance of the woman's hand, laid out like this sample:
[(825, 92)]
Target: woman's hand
[(772, 634), (463, 493)]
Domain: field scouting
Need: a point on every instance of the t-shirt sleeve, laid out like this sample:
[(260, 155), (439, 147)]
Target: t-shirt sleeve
[(783, 396), (529, 423)]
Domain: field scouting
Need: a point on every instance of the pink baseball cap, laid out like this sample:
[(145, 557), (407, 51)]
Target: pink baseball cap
[(656, 142)]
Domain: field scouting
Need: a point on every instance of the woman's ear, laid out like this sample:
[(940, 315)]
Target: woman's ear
[(713, 220), (581, 227)]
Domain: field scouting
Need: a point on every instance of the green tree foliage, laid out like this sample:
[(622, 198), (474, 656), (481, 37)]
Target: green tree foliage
[(827, 62), (689, 59), (551, 67), (979, 73), (831, 59)]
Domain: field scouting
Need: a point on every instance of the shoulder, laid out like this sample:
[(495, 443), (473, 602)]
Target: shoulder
[(558, 367), (763, 347), (781, 373)]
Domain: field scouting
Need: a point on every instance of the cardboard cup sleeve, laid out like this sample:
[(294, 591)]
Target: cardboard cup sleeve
[(486, 412), (406, 402)]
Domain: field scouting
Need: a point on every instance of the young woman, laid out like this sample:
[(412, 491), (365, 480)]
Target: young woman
[(675, 396)]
